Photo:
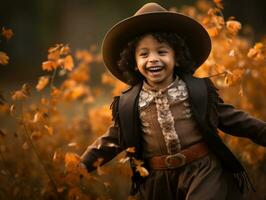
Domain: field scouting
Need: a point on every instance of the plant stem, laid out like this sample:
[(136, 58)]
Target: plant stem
[(35, 150), (52, 80)]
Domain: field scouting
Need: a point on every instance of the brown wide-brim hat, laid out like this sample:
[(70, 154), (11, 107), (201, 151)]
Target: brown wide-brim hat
[(153, 17)]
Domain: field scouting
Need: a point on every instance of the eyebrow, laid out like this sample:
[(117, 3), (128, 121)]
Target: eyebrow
[(161, 46)]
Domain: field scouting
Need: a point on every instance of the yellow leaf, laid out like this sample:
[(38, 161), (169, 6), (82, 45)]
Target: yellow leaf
[(131, 149), (142, 170), (233, 26), (213, 31), (64, 50), (49, 65), (56, 48), (124, 160), (3, 58), (68, 63), (218, 3), (12, 109), (18, 95), (54, 55), (42, 83), (258, 45), (72, 161), (72, 144), (49, 129)]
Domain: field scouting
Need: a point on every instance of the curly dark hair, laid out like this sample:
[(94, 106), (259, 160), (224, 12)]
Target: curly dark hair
[(183, 57)]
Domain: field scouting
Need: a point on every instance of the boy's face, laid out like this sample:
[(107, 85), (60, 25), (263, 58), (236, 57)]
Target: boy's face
[(155, 61)]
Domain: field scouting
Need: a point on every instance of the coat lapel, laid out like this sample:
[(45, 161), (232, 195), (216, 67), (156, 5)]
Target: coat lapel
[(198, 94), (128, 115)]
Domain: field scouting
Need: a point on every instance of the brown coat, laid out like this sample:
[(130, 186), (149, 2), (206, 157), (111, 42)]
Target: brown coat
[(210, 112)]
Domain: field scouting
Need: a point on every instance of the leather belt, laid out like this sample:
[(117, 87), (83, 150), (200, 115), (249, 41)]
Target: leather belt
[(179, 159)]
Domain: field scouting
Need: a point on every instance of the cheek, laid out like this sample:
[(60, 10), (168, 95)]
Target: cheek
[(139, 62)]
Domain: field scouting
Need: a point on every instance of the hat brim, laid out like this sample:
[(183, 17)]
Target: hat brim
[(195, 35)]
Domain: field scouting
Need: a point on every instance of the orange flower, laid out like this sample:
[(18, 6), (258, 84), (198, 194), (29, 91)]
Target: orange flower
[(7, 33), (3, 58)]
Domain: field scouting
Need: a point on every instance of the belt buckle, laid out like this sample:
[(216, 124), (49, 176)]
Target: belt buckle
[(175, 157)]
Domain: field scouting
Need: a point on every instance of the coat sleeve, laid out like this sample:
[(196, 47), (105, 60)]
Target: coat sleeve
[(240, 123), (105, 147)]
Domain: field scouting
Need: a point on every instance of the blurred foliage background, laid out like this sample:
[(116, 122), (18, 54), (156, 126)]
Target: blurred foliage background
[(38, 24), (54, 103)]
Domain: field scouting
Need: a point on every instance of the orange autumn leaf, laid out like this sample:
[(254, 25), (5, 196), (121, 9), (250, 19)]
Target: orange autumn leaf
[(12, 109), (19, 95), (49, 65), (55, 48), (218, 3), (142, 170), (3, 58), (58, 156), (71, 158), (68, 63), (213, 31), (131, 150), (72, 161), (256, 52), (55, 55), (84, 55), (64, 50), (42, 83), (72, 144), (50, 130), (233, 26), (139, 168), (124, 160), (7, 33)]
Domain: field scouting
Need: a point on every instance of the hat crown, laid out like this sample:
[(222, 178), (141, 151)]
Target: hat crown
[(150, 8)]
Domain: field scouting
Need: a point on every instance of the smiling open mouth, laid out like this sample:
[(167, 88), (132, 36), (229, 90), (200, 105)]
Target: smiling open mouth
[(154, 69)]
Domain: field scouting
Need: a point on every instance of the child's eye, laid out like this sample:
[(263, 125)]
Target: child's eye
[(143, 54), (162, 52)]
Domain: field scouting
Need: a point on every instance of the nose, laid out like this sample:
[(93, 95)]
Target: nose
[(153, 58)]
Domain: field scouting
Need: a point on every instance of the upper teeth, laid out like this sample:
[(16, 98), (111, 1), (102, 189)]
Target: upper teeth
[(154, 68)]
